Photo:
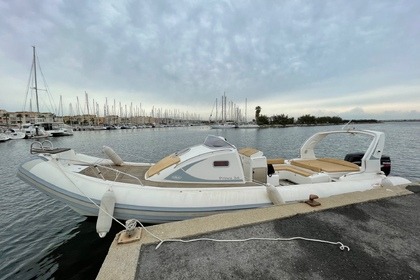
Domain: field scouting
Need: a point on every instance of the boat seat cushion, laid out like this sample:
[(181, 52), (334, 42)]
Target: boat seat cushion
[(293, 169), (350, 165), (248, 151), (275, 161), (326, 165), (162, 164), (300, 175)]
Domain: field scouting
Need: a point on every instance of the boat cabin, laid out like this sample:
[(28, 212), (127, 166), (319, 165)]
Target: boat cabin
[(215, 161)]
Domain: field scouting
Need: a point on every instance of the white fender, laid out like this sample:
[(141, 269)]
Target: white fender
[(274, 195), (104, 222), (112, 155)]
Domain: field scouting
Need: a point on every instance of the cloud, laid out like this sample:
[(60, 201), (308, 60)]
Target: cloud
[(180, 53)]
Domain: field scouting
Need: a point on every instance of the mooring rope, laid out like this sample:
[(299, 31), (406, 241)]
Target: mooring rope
[(161, 241)]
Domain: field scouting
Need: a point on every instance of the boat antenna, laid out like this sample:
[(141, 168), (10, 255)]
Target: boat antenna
[(347, 124)]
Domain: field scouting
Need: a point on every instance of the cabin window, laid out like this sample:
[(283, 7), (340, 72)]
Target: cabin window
[(220, 163)]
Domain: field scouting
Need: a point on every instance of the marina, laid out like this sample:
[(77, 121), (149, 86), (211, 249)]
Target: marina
[(209, 140), (60, 237)]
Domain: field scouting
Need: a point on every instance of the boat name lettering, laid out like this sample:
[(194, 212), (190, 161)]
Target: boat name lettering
[(229, 178)]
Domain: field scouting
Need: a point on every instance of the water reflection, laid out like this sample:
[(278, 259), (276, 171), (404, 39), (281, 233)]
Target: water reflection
[(79, 256)]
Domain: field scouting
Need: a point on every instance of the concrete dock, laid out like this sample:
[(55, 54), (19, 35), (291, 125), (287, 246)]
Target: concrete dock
[(380, 227)]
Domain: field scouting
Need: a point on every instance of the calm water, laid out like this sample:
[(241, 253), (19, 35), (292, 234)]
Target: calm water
[(44, 239)]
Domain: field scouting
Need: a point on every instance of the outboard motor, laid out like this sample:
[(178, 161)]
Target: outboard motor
[(356, 158)]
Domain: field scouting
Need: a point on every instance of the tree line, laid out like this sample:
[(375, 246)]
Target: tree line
[(307, 119)]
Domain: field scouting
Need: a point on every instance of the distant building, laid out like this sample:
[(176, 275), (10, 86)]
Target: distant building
[(17, 118)]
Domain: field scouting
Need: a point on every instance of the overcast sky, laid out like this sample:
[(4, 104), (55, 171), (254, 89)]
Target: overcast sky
[(354, 59)]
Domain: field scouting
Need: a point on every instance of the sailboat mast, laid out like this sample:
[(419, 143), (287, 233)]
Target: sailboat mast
[(87, 103), (224, 108), (60, 108), (217, 120), (246, 106), (36, 84)]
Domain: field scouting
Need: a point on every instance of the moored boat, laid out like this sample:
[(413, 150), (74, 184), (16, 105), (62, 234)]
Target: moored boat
[(56, 129), (4, 137), (204, 179), (226, 125), (33, 131), (248, 125), (15, 134)]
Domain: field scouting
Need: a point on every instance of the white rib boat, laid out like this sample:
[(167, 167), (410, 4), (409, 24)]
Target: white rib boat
[(15, 135), (4, 137), (205, 179)]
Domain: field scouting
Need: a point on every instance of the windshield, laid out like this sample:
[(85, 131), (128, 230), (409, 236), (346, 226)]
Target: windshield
[(213, 141)]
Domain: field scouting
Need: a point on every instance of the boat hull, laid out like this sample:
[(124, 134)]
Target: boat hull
[(154, 204), (124, 210)]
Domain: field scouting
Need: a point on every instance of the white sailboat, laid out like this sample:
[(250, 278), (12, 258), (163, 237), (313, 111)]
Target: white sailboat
[(223, 123), (41, 129), (246, 124)]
